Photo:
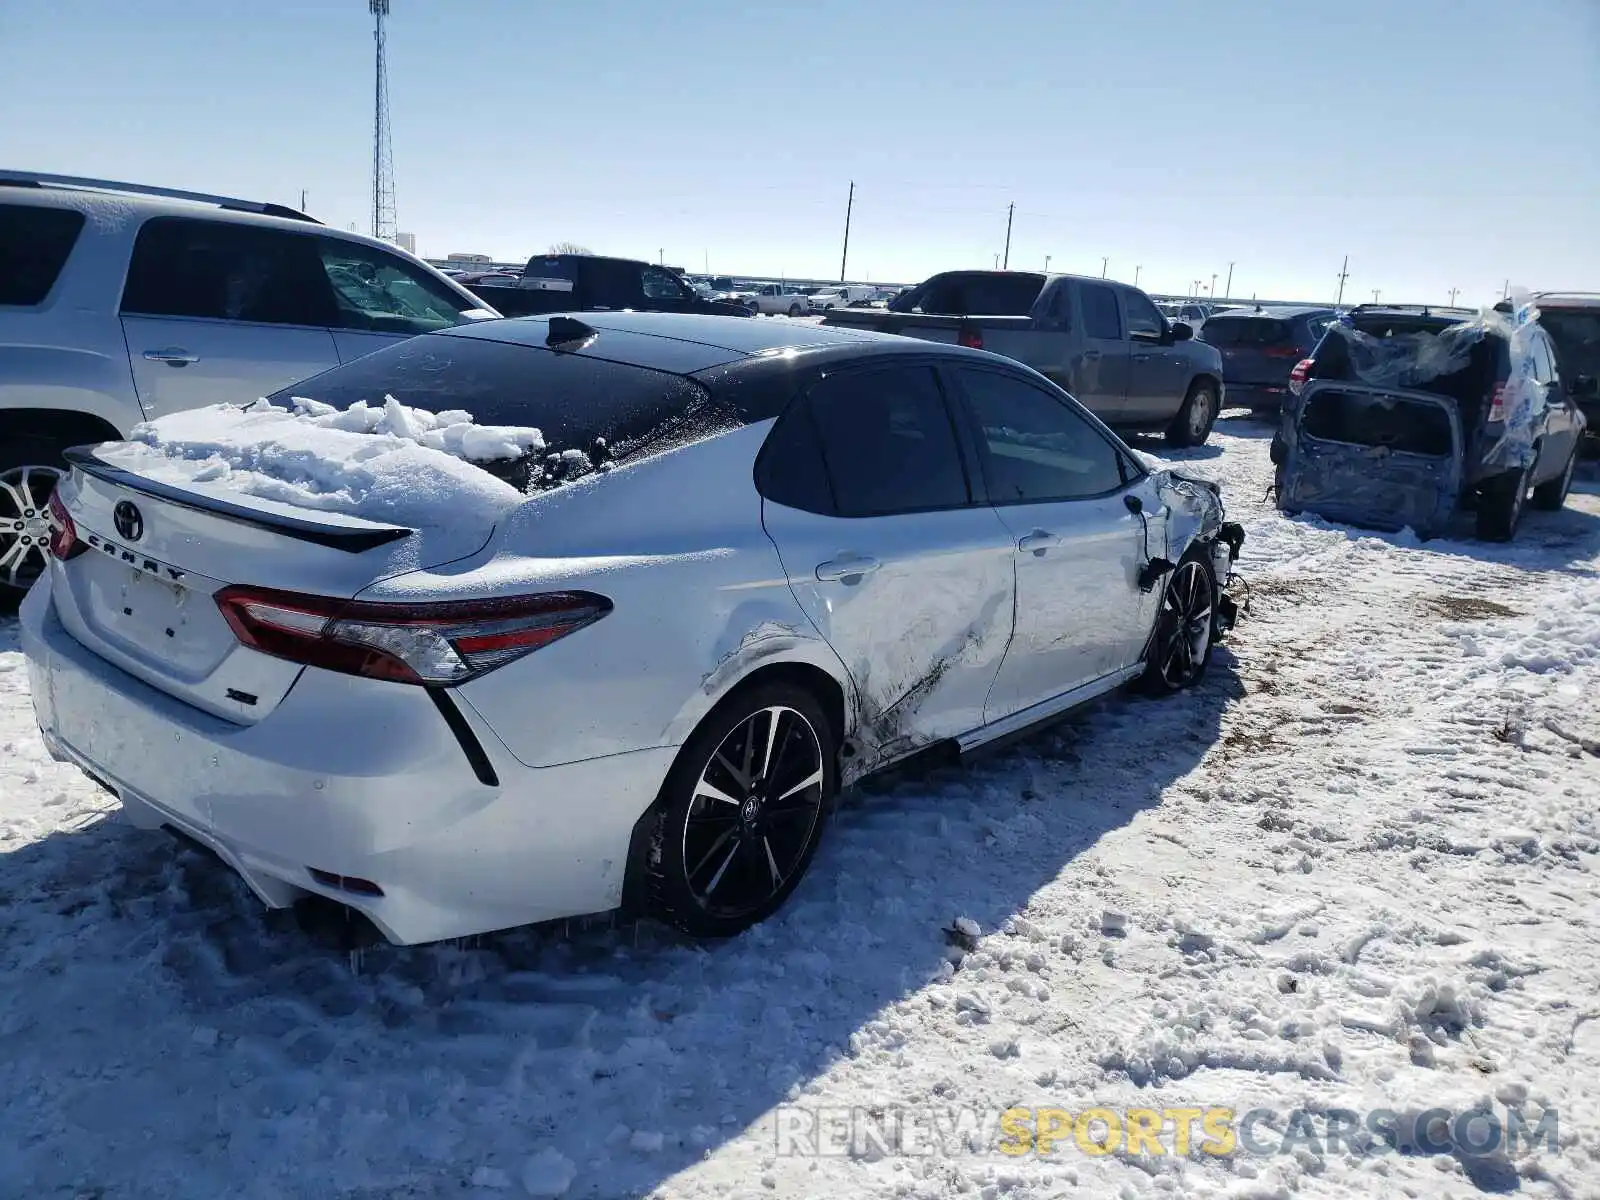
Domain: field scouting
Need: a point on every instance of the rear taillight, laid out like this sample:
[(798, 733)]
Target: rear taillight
[(1300, 374), (971, 337), (1497, 403), (407, 643), (64, 543)]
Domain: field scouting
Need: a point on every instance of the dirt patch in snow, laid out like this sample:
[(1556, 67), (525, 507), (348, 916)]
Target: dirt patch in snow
[(1469, 608)]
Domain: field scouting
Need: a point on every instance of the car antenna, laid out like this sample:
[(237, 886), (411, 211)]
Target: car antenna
[(566, 330)]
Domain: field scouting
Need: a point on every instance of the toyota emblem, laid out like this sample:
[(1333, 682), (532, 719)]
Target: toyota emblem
[(128, 520)]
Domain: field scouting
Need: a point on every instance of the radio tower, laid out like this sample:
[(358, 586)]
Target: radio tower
[(383, 221)]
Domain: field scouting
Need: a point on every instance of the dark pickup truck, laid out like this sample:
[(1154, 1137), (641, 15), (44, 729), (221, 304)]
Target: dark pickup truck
[(577, 282), (1104, 342)]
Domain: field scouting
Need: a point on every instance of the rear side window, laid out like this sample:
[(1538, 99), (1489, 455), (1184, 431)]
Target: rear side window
[(887, 442), (975, 294), (791, 471), (573, 399), (1100, 317), (192, 268), (1249, 331), (1361, 419), (34, 245)]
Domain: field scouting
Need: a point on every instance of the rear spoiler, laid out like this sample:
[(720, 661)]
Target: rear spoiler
[(350, 540)]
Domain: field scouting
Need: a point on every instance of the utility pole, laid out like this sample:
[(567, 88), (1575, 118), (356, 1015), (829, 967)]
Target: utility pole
[(1505, 293), (1227, 288), (1011, 211), (1453, 292), (1047, 264), (1344, 273), (302, 199), (1213, 285), (1376, 292), (661, 258), (1136, 271), (996, 262), (1104, 264), (849, 204)]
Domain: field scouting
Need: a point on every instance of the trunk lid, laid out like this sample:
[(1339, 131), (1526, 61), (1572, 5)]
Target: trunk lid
[(1376, 457), (155, 552)]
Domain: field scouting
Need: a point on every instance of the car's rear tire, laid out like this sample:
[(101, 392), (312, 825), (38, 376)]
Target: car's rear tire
[(1500, 503), (1193, 423), (1550, 496), (30, 468), (742, 811), (1185, 628), (794, 310)]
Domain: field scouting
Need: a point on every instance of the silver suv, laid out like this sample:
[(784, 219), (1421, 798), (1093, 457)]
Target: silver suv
[(120, 303)]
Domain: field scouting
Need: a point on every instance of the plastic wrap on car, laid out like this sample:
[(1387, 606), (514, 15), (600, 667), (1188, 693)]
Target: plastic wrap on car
[(1409, 361)]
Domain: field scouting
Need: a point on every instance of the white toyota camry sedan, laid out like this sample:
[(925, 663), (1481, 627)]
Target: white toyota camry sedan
[(759, 561)]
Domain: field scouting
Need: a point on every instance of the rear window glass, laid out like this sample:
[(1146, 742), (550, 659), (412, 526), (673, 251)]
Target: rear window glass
[(1246, 331), (34, 244), (1359, 419), (576, 401), (554, 274), (975, 295)]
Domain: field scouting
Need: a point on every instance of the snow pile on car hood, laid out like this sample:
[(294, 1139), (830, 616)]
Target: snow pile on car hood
[(389, 462)]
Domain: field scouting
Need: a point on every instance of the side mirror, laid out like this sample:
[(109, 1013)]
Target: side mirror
[(1181, 331)]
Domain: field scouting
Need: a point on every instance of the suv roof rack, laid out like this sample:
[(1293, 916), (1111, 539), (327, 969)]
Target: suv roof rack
[(1425, 310), (39, 179)]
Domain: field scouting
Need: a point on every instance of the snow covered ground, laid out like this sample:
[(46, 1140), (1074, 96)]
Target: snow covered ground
[(1355, 870)]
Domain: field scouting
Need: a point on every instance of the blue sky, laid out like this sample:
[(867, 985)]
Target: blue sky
[(1439, 143)]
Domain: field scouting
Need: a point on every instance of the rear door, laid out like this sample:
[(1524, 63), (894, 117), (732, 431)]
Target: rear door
[(216, 312), (1057, 483), (1373, 456), (1158, 373), (1560, 435), (380, 297), (1100, 380), (868, 501)]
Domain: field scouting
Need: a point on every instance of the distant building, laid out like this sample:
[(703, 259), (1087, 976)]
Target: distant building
[(468, 258), (406, 242)]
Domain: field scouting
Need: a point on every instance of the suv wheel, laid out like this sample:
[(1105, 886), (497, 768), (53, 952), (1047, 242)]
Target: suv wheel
[(1193, 423), (1552, 495), (29, 472), (1500, 503)]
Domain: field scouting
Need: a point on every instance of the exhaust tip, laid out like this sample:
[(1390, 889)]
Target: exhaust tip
[(353, 884)]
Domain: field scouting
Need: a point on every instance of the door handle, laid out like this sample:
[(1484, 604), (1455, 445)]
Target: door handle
[(1037, 542), (847, 570), (1143, 357), (1091, 356), (173, 356)]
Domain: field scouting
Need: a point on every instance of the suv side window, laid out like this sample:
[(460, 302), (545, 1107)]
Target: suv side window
[(1034, 447), (887, 442), (1143, 319), (34, 245), (1544, 365), (187, 267), (1100, 318), (661, 284), (378, 292)]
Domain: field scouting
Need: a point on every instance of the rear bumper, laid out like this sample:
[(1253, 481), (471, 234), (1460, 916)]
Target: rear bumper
[(355, 778)]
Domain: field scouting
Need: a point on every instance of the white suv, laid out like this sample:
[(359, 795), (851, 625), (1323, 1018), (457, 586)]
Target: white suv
[(120, 303)]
